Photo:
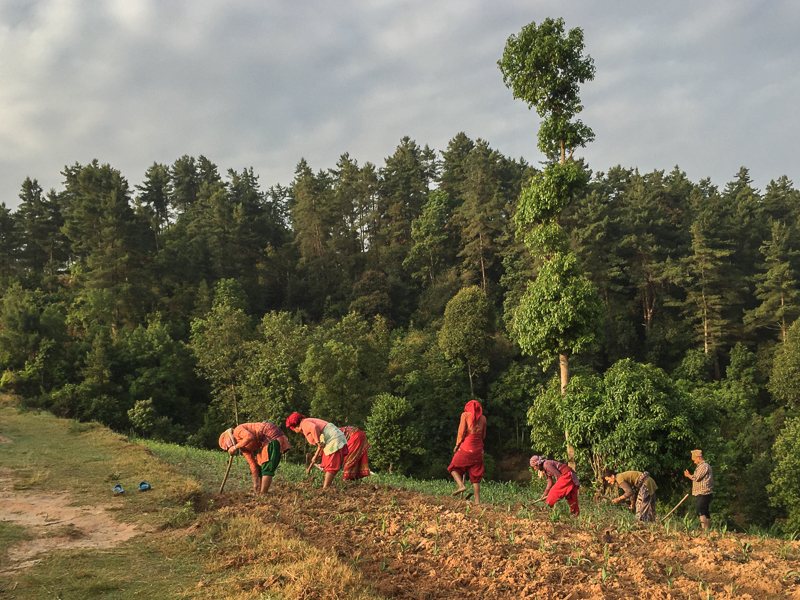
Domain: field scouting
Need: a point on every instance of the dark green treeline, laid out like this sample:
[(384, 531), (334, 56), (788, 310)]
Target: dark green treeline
[(381, 295)]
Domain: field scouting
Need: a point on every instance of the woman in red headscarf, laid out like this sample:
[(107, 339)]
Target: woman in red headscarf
[(468, 458)]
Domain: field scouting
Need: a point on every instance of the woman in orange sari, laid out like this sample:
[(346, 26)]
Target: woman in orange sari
[(356, 464), (468, 453)]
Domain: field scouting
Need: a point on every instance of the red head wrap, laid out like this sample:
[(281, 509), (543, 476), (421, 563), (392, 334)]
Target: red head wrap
[(474, 409), (294, 420)]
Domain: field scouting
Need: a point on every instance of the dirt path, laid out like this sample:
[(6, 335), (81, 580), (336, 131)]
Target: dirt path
[(53, 522), (414, 546)]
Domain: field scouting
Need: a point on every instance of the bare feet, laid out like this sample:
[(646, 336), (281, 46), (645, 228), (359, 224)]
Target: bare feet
[(459, 491)]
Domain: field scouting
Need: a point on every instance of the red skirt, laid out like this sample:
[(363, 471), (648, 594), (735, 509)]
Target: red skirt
[(470, 463), (331, 463), (356, 465), (565, 487)]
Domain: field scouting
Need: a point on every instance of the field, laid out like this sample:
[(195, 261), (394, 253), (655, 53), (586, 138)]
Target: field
[(366, 540)]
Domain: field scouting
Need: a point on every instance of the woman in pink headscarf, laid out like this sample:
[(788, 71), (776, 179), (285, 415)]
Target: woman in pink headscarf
[(468, 458)]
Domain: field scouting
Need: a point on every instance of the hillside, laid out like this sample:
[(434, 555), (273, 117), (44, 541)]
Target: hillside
[(357, 541)]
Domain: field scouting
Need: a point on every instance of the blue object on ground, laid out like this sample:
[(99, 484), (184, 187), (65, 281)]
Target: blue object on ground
[(144, 486), (117, 489)]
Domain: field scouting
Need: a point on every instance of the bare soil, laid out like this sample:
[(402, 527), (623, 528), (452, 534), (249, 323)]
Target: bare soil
[(53, 523), (410, 545)]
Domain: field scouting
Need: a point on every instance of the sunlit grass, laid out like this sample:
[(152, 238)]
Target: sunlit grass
[(225, 557)]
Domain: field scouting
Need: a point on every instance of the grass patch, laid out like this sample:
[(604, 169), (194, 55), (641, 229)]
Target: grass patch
[(217, 554), (156, 568), (50, 454), (11, 534)]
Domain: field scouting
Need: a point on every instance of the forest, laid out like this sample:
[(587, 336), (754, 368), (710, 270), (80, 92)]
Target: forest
[(386, 296)]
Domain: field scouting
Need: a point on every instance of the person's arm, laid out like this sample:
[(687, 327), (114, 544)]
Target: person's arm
[(700, 472), (251, 460), (549, 477), (484, 427), (627, 493), (242, 438), (462, 431), (314, 458)]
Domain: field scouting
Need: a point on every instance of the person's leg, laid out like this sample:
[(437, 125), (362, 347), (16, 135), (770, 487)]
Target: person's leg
[(702, 503), (476, 487), (269, 468), (572, 500), (459, 478), (328, 479)]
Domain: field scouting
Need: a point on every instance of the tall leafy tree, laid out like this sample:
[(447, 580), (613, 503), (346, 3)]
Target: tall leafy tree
[(466, 330), (481, 216), (107, 239), (776, 285), (428, 254), (9, 242), (154, 195), (344, 368), (222, 342), (544, 66), (702, 277), (39, 221)]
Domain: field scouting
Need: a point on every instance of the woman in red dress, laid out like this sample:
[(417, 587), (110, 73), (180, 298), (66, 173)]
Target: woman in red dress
[(356, 465), (562, 482), (468, 458)]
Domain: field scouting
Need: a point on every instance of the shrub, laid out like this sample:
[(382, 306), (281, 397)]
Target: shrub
[(394, 440)]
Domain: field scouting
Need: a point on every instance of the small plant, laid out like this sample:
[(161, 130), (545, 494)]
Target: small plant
[(357, 560), (385, 567), (734, 588), (746, 548)]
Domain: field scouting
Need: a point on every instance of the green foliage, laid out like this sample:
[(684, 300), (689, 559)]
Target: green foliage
[(559, 312), (394, 439), (548, 193), (426, 257), (273, 389), (776, 286), (784, 381), (784, 490), (633, 418), (543, 66), (222, 343), (437, 390), (465, 333), (344, 368)]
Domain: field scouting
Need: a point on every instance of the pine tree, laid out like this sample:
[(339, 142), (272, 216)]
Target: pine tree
[(776, 285)]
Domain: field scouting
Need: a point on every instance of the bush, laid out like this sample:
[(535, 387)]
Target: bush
[(785, 487), (393, 439)]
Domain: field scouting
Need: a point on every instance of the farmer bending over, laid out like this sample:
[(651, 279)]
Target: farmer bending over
[(329, 440), (262, 445), (645, 499), (356, 465), (562, 482)]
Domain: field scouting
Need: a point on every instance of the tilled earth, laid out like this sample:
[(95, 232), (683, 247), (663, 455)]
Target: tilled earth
[(411, 545)]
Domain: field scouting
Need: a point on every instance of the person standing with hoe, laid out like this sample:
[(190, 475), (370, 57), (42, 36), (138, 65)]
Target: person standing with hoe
[(468, 453), (702, 487)]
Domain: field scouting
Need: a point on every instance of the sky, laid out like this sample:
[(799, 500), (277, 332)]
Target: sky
[(709, 86)]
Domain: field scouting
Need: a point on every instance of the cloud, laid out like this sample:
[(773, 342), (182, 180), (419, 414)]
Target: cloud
[(707, 86)]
